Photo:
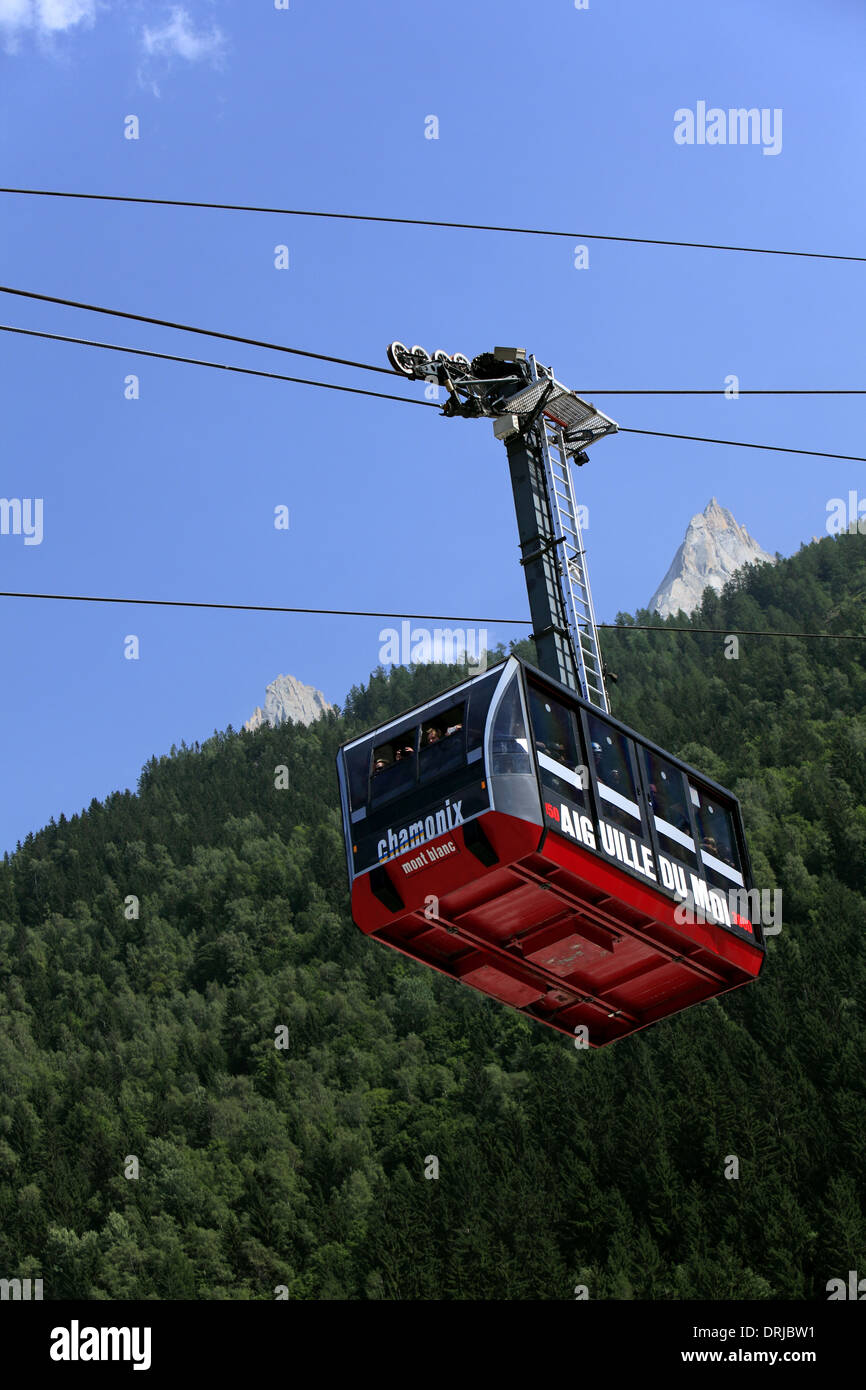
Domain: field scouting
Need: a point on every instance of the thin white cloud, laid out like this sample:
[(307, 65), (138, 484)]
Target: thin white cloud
[(62, 14), (45, 16), (15, 14), (178, 38)]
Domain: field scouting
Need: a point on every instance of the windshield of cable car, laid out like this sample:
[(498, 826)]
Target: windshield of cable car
[(424, 752), (418, 777), (510, 741)]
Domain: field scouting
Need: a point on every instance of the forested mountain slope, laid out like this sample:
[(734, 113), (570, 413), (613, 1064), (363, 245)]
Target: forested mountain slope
[(304, 1167)]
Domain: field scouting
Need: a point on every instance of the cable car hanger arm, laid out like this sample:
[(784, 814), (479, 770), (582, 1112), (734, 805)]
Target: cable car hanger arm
[(543, 425)]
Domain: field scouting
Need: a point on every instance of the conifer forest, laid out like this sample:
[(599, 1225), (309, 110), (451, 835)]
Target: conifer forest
[(150, 1039)]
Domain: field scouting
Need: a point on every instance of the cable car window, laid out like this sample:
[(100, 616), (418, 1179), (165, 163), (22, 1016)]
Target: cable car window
[(556, 742), (718, 843), (510, 742), (394, 767), (357, 768), (666, 787), (617, 792), (480, 696), (443, 742)]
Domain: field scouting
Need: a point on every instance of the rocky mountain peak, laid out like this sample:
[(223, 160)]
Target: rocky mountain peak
[(714, 548), (288, 698)]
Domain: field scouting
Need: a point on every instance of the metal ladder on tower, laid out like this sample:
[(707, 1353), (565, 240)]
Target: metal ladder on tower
[(574, 579)]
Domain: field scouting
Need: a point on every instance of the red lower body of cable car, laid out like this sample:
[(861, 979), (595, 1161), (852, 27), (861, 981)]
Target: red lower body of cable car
[(539, 923)]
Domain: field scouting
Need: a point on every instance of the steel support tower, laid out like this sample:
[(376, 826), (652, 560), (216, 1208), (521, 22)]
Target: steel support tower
[(543, 426)]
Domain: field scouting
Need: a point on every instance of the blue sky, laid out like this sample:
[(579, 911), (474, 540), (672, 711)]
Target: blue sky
[(548, 116)]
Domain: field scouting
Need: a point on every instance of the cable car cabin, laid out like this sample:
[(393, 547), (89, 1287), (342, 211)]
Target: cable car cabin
[(512, 836)]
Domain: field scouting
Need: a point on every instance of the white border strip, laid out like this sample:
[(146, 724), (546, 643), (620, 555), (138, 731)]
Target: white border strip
[(722, 868), (665, 828), (559, 770), (619, 800)]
